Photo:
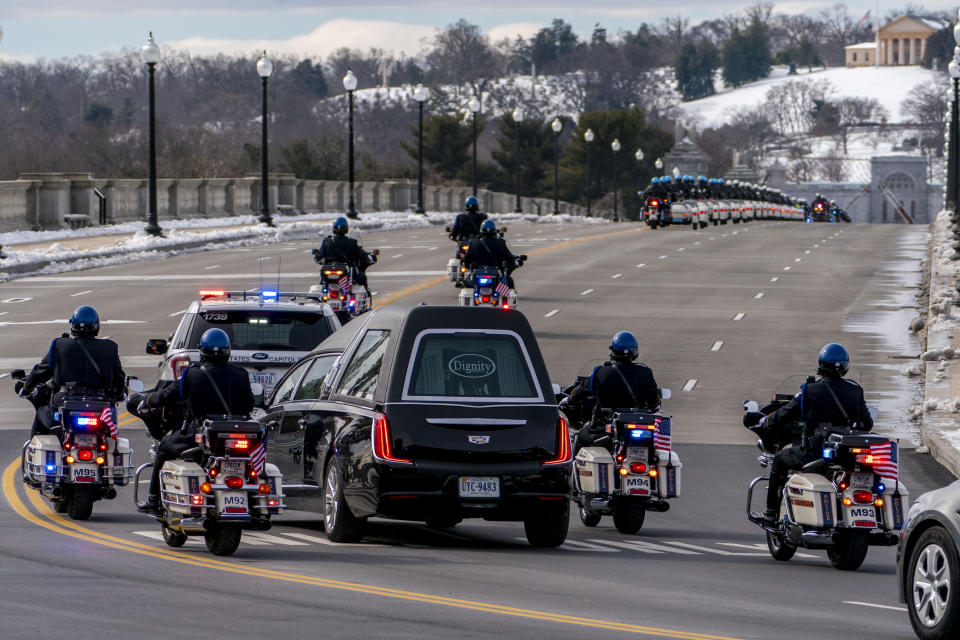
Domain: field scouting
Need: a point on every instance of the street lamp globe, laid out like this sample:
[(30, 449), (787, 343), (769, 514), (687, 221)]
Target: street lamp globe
[(676, 172), (517, 115), (956, 33), (474, 105), (588, 135), (954, 69), (658, 163), (264, 66), (349, 81), (638, 155), (615, 145), (556, 125), (421, 94), (150, 51)]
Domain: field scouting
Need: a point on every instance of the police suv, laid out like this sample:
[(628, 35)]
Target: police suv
[(269, 331)]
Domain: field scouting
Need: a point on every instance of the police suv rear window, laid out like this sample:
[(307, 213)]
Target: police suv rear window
[(470, 365), (260, 330)]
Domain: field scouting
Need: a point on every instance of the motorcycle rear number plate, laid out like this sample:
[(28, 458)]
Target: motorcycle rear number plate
[(85, 472), (636, 485), (638, 453), (232, 502), (266, 379), (85, 441), (862, 480), (233, 467), (479, 487)]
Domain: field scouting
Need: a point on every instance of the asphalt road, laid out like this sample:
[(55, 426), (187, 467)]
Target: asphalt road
[(699, 571)]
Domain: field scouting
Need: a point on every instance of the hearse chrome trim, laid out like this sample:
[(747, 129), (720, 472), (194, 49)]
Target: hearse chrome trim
[(480, 422)]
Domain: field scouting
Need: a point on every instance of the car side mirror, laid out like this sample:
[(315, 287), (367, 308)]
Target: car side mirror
[(257, 389), (157, 346), (751, 406), (665, 394)]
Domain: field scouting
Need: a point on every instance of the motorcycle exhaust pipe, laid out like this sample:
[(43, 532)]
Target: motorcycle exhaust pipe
[(57, 492), (110, 493)]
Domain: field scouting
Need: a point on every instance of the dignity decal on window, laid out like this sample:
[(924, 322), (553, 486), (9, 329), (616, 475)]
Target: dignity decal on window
[(472, 365)]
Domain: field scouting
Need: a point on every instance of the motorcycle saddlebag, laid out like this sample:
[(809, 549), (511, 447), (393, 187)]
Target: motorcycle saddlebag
[(813, 499), (668, 476), (44, 459), (179, 481), (595, 469), (893, 502), (120, 463), (453, 270)]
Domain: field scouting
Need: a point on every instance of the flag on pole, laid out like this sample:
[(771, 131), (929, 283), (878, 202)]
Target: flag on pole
[(503, 288), (258, 457), (864, 21), (107, 418), (661, 437), (884, 458), (346, 286)]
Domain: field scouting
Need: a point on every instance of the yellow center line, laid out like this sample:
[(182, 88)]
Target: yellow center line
[(403, 293), (56, 523)]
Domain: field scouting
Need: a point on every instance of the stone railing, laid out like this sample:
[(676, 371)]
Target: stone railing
[(39, 201)]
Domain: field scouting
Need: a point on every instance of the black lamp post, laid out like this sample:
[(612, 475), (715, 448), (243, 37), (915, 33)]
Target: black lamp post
[(474, 106), (350, 84), (953, 144), (151, 55), (638, 154), (517, 119), (420, 94), (588, 137), (264, 69), (557, 127), (615, 146)]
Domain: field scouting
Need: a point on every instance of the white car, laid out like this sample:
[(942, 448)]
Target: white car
[(269, 331)]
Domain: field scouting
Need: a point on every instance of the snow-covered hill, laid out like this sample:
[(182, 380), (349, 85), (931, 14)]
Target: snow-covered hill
[(889, 85)]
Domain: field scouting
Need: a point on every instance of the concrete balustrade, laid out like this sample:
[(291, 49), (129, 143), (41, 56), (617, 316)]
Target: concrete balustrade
[(38, 201)]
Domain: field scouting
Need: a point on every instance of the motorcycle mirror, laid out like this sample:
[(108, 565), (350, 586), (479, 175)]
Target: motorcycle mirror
[(18, 374), (665, 394), (873, 412), (157, 346), (135, 386), (376, 252), (751, 406), (760, 446), (503, 230)]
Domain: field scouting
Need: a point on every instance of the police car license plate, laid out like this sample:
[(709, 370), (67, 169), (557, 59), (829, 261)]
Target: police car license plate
[(85, 473), (233, 467), (864, 480), (479, 487), (636, 485), (85, 440), (266, 379), (232, 502)]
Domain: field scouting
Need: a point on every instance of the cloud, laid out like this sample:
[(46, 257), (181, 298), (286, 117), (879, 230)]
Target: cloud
[(514, 29)]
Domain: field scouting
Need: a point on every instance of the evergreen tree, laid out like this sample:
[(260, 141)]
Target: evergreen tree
[(447, 143), (758, 57), (694, 69), (536, 156), (734, 59)]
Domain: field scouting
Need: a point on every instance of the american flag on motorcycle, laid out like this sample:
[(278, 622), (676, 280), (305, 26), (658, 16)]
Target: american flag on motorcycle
[(258, 457), (345, 285), (107, 418), (885, 460), (661, 437), (503, 288)]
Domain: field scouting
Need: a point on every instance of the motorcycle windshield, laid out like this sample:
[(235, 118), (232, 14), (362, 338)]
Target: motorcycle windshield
[(789, 387)]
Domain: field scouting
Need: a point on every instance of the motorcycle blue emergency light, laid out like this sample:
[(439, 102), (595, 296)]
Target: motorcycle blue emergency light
[(486, 280), (86, 421), (640, 434), (881, 487), (51, 468), (829, 453), (269, 295)]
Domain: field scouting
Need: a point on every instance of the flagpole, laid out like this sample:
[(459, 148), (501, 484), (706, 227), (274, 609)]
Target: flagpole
[(876, 38)]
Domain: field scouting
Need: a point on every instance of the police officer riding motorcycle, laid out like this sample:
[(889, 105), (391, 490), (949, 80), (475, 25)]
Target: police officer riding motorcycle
[(488, 257), (344, 264)]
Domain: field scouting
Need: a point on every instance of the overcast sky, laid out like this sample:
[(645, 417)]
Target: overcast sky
[(64, 28)]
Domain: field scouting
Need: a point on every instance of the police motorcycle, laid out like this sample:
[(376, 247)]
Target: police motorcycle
[(844, 502), (488, 285), (338, 287), (656, 212), (84, 460), (629, 470), (217, 489), (456, 270)]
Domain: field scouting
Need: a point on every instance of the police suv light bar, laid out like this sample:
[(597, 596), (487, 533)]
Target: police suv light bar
[(266, 294)]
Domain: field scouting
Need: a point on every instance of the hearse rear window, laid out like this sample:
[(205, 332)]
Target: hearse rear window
[(476, 364), (264, 330)]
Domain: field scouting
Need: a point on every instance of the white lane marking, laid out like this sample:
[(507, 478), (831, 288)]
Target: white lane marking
[(616, 275), (739, 316), (713, 237), (735, 233), (213, 266), (697, 242), (875, 606), (717, 345), (15, 300), (551, 313), (807, 252), (433, 248), (723, 235), (264, 258), (586, 292), (3, 313), (758, 296), (205, 276), (641, 265), (266, 537), (571, 545), (798, 259), (64, 321), (645, 547), (80, 293), (816, 246), (786, 268), (690, 384), (373, 293), (719, 552), (774, 278), (327, 543), (196, 540), (399, 255), (681, 249), (176, 313), (661, 257)]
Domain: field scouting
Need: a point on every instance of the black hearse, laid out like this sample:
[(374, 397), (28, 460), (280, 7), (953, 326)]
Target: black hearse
[(424, 413)]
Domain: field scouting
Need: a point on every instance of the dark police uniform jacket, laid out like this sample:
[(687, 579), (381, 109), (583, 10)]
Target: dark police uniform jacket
[(344, 249), (815, 409), (199, 396), (66, 361), (605, 389), (489, 251), (467, 225)]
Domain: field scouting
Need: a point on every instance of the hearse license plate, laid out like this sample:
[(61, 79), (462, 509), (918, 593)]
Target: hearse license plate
[(636, 485), (233, 467), (232, 502), (479, 487), (864, 480), (266, 379)]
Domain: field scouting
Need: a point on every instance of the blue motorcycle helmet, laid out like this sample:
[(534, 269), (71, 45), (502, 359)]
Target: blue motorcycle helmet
[(624, 346), (654, 180), (214, 346), (340, 226), (688, 178), (488, 227), (85, 321), (471, 204), (666, 179), (833, 361)]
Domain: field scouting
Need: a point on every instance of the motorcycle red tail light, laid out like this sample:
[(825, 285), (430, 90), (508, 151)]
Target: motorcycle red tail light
[(85, 455), (234, 482), (638, 467), (862, 497), (103, 446), (485, 298), (240, 444)]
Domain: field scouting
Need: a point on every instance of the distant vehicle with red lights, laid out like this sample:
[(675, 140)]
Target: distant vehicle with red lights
[(431, 414)]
